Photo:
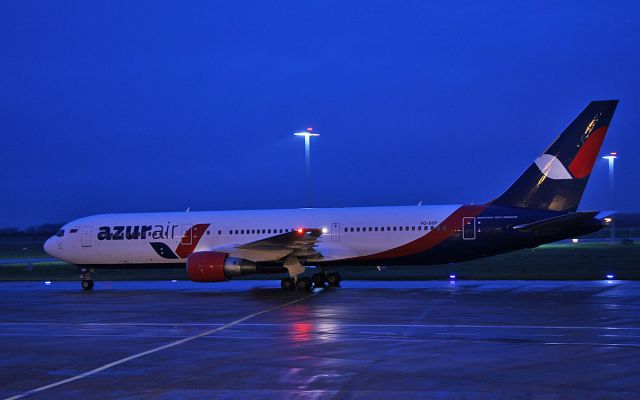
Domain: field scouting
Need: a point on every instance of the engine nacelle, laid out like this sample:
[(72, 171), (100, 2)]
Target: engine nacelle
[(213, 266)]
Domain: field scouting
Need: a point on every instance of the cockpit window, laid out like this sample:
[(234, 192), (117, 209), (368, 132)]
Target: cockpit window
[(60, 233)]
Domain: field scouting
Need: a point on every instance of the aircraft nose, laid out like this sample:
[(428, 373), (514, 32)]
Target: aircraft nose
[(50, 246)]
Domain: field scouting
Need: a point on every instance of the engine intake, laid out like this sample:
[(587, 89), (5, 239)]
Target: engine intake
[(213, 266)]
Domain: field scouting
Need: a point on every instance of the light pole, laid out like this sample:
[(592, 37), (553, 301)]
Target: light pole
[(611, 158), (307, 158)]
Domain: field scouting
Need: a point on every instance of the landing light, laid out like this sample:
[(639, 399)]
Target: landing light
[(575, 240), (610, 276), (300, 230), (452, 276), (608, 220), (47, 283), (325, 230)]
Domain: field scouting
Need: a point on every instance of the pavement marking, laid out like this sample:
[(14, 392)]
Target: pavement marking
[(426, 326), (154, 350)]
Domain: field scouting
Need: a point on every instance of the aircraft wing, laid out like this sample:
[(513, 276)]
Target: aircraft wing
[(294, 244), (557, 224)]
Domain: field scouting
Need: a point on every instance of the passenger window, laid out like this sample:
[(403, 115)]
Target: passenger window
[(351, 229), (395, 228), (376, 229), (370, 229), (413, 228), (400, 228), (357, 229)]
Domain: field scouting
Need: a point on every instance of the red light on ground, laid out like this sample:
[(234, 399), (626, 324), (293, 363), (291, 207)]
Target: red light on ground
[(613, 153), (309, 129)]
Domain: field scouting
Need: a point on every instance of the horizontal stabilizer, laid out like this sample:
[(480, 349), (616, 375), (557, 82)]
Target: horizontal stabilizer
[(605, 214), (557, 224)]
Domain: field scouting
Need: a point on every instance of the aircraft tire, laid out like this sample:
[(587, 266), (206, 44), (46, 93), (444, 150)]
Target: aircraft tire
[(87, 284), (318, 279), (304, 284), (334, 279), (287, 284)]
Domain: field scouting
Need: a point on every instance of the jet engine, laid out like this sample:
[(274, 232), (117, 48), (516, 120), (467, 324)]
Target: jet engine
[(213, 266)]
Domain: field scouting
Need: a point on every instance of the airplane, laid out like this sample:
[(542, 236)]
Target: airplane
[(215, 246)]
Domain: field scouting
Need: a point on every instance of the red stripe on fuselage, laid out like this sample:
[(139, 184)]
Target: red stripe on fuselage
[(186, 247), (453, 224)]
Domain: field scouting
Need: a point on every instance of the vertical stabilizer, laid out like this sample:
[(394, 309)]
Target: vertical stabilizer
[(557, 178)]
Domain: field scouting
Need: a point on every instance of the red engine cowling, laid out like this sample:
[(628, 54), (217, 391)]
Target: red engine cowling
[(206, 266), (213, 266)]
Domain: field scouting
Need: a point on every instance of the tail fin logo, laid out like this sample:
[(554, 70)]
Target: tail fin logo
[(582, 163), (552, 168)]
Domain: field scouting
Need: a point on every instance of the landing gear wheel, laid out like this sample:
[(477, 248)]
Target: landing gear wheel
[(87, 284), (334, 279), (304, 284), (318, 279), (287, 284)]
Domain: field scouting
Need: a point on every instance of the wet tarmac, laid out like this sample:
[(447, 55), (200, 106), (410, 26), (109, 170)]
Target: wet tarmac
[(365, 340)]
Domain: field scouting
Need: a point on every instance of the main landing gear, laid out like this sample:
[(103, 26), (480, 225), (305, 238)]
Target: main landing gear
[(317, 280), (85, 275)]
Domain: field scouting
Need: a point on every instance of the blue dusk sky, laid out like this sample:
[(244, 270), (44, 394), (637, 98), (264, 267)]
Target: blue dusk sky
[(132, 106)]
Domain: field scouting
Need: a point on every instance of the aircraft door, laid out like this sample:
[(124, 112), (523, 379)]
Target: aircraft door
[(85, 237), (468, 228), (186, 234), (335, 232)]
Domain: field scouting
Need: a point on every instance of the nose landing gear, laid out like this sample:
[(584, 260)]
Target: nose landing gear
[(85, 275)]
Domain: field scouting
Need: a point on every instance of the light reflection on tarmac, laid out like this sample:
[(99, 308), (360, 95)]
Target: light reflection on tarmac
[(250, 339)]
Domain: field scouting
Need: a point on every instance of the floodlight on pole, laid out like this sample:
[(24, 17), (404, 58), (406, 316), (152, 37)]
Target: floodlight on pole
[(611, 158), (307, 158)]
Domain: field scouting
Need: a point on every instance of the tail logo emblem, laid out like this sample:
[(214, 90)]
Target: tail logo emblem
[(552, 168)]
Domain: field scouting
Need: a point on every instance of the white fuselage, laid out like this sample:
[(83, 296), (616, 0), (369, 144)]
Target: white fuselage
[(346, 232)]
